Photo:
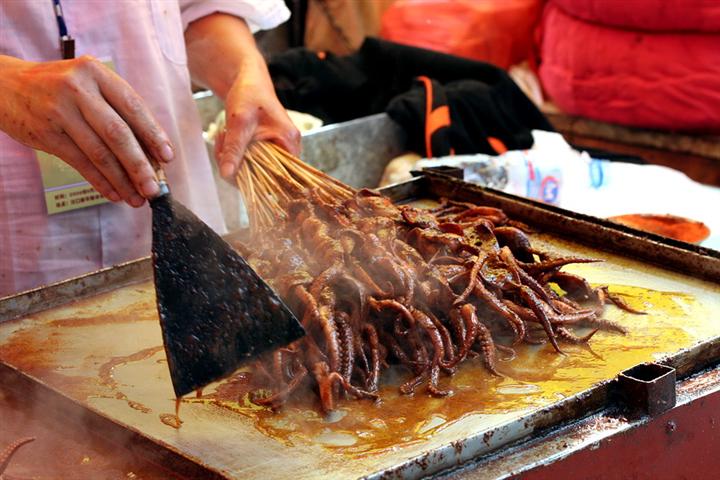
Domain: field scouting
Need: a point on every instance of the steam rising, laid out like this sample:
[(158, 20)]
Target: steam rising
[(376, 284)]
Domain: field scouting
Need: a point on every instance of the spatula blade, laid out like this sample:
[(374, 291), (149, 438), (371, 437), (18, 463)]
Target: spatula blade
[(215, 311)]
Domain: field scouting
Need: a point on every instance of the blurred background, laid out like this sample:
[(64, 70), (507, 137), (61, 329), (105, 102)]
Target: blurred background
[(635, 84)]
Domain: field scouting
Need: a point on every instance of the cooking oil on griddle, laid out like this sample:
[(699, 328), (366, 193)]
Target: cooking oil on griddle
[(104, 353), (538, 376)]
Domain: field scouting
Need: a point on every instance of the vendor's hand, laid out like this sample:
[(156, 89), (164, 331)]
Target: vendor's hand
[(87, 115), (223, 56), (253, 112)]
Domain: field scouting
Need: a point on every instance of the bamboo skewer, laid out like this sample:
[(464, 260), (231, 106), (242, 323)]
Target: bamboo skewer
[(270, 178)]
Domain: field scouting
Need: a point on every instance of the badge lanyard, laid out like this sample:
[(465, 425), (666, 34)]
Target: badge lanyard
[(63, 186), (67, 43)]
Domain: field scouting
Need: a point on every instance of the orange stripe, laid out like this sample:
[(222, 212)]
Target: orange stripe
[(434, 119), (428, 110), (497, 145), (438, 118)]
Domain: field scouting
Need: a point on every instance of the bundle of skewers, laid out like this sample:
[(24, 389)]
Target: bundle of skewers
[(377, 284)]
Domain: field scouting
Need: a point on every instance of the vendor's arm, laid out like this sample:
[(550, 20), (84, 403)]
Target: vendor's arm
[(223, 56), (87, 115)]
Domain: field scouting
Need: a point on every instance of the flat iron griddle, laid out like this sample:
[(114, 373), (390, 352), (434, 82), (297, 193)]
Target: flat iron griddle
[(92, 345)]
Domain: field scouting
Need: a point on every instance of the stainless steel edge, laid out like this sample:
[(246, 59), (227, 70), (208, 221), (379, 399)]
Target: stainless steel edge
[(65, 291), (457, 453), (335, 149), (586, 433), (557, 416)]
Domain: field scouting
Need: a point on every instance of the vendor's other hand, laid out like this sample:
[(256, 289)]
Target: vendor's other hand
[(84, 113), (253, 112)]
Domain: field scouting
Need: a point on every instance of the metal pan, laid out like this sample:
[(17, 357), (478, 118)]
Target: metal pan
[(119, 378)]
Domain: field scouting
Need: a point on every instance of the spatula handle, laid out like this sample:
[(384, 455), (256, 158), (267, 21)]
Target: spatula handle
[(162, 178)]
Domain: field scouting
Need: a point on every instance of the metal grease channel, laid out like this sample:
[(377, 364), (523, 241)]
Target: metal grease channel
[(646, 389)]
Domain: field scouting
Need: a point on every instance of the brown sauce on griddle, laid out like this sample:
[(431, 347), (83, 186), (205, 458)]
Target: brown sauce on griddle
[(138, 312), (107, 379), (537, 376), (138, 406), (171, 420), (36, 351), (106, 369)]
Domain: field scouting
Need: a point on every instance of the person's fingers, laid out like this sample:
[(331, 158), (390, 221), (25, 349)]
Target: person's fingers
[(241, 125), (104, 160), (287, 138), (120, 140), (291, 141), (219, 141), (131, 107), (286, 134), (66, 149)]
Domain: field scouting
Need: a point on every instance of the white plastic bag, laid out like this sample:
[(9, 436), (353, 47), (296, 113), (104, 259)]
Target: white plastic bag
[(555, 173)]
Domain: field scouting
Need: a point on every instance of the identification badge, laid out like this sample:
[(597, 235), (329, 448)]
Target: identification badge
[(65, 189)]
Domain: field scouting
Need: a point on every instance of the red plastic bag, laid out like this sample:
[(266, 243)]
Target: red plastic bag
[(667, 80), (647, 15), (494, 31)]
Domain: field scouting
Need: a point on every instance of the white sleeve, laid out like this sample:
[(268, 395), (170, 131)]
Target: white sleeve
[(259, 14)]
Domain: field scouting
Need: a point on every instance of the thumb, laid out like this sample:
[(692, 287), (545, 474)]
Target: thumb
[(240, 128)]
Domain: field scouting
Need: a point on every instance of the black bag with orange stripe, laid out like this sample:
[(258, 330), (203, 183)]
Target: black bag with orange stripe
[(446, 104)]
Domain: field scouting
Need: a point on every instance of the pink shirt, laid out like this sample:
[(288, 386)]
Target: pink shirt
[(144, 38)]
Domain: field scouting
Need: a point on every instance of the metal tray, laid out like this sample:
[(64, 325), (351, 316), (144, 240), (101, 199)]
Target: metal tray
[(90, 349)]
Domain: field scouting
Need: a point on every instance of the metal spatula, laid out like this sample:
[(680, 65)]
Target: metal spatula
[(215, 311)]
